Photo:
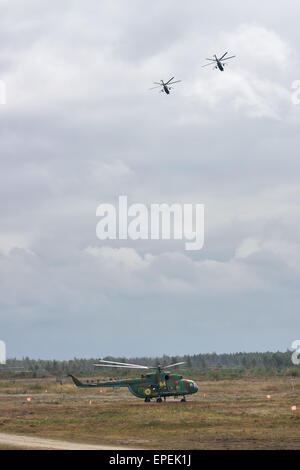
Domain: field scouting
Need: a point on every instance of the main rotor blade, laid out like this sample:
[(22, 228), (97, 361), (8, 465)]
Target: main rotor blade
[(213, 60), (120, 367), (169, 81), (230, 57), (158, 83), (206, 65), (102, 361), (221, 58), (153, 88), (176, 364), (172, 83)]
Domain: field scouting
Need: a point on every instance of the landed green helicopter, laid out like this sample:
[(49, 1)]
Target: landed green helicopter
[(158, 385)]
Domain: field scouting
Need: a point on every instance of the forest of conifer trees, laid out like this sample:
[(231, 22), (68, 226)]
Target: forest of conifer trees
[(276, 362)]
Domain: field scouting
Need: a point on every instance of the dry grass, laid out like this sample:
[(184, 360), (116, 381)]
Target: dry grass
[(234, 415)]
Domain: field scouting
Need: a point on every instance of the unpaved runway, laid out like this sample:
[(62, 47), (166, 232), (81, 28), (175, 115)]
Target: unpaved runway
[(26, 442)]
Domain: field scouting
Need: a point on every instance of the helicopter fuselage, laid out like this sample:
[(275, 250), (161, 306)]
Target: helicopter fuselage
[(166, 89), (162, 385), (219, 64)]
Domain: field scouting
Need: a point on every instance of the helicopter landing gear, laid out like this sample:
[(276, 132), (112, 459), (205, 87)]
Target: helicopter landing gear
[(183, 400), (165, 398), (147, 399), (159, 400)]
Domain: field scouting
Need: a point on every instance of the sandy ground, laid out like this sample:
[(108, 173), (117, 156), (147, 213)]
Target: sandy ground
[(25, 442)]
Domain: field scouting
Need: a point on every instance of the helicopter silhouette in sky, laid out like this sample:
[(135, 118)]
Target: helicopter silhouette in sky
[(219, 63), (165, 86)]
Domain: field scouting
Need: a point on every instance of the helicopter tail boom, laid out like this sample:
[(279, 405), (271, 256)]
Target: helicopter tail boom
[(98, 383), (76, 381)]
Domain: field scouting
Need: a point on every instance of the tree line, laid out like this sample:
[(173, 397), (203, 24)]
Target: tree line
[(263, 361)]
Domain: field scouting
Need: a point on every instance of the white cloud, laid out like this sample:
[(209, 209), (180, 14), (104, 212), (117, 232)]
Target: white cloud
[(127, 257), (249, 84), (11, 241), (246, 248), (259, 46)]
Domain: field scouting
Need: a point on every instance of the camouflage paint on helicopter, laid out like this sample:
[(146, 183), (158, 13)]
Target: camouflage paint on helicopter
[(158, 385)]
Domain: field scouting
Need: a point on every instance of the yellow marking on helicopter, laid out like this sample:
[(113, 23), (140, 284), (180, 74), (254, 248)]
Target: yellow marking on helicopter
[(147, 391)]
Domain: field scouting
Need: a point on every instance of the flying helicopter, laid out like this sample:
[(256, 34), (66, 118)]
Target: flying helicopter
[(218, 64), (165, 86), (158, 384)]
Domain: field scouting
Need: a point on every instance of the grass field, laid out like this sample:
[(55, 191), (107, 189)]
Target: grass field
[(234, 414)]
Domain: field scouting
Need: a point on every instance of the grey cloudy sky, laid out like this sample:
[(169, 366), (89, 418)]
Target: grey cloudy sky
[(80, 127)]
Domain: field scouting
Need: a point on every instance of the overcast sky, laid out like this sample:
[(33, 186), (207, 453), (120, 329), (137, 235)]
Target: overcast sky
[(80, 127)]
